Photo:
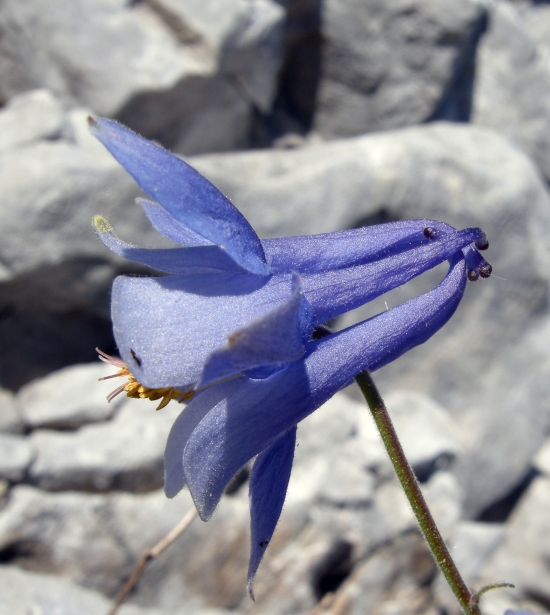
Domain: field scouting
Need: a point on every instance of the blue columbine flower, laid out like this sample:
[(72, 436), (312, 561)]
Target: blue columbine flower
[(229, 424), (229, 289), (233, 324)]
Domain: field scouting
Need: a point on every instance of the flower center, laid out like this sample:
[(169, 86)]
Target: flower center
[(136, 390)]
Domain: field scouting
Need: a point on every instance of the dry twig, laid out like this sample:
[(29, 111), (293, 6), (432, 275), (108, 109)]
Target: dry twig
[(150, 555), (325, 603)]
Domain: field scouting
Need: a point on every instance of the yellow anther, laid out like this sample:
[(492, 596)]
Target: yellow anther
[(101, 224), (165, 401), (136, 390)]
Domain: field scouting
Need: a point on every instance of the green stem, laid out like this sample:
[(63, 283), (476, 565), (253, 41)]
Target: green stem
[(410, 485)]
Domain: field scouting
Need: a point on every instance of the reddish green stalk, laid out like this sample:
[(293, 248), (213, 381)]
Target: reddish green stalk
[(408, 481)]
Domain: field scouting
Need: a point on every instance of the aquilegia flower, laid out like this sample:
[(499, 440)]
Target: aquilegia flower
[(233, 326)]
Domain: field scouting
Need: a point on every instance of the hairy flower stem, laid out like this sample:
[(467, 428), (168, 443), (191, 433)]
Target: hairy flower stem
[(412, 490)]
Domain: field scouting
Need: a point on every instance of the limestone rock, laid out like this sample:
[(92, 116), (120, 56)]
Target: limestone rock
[(30, 117), (125, 453), (16, 454), (51, 191), (96, 540), (23, 592), (472, 546), (10, 418), (542, 458), (390, 579), (339, 456), (522, 558), (512, 83), (166, 68), (426, 430), (68, 398), (387, 64)]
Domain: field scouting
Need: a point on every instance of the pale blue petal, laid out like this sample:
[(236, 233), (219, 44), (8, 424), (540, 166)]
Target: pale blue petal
[(267, 492), (250, 419), (190, 417), (276, 338), (200, 259), (166, 328), (334, 292), (174, 324), (185, 193), (318, 253), (169, 226)]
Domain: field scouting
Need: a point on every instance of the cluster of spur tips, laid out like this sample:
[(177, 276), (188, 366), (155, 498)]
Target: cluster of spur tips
[(230, 324)]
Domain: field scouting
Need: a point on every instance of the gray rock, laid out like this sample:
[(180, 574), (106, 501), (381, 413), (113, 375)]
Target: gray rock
[(247, 33), (394, 575), (387, 64), (60, 532), (339, 456), (522, 558), (82, 77), (55, 274), (392, 579), (472, 546), (536, 20), (467, 176), (10, 418), (512, 85), (29, 117), (29, 593), (69, 398), (158, 65), (426, 430), (445, 498), (542, 458), (22, 593), (52, 189), (96, 540), (342, 532), (16, 455), (55, 316), (124, 453), (332, 538), (443, 495), (506, 422)]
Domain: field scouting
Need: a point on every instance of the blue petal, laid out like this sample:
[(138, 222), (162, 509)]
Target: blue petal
[(268, 485), (167, 327), (190, 417), (328, 251), (199, 259), (335, 292), (252, 417), (318, 253), (185, 193), (173, 324), (169, 226), (275, 339)]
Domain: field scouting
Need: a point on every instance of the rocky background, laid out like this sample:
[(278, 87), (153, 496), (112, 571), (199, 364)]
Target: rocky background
[(313, 116)]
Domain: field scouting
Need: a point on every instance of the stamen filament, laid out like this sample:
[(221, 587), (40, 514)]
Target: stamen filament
[(136, 390)]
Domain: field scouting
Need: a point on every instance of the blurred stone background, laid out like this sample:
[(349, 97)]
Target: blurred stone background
[(312, 116)]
